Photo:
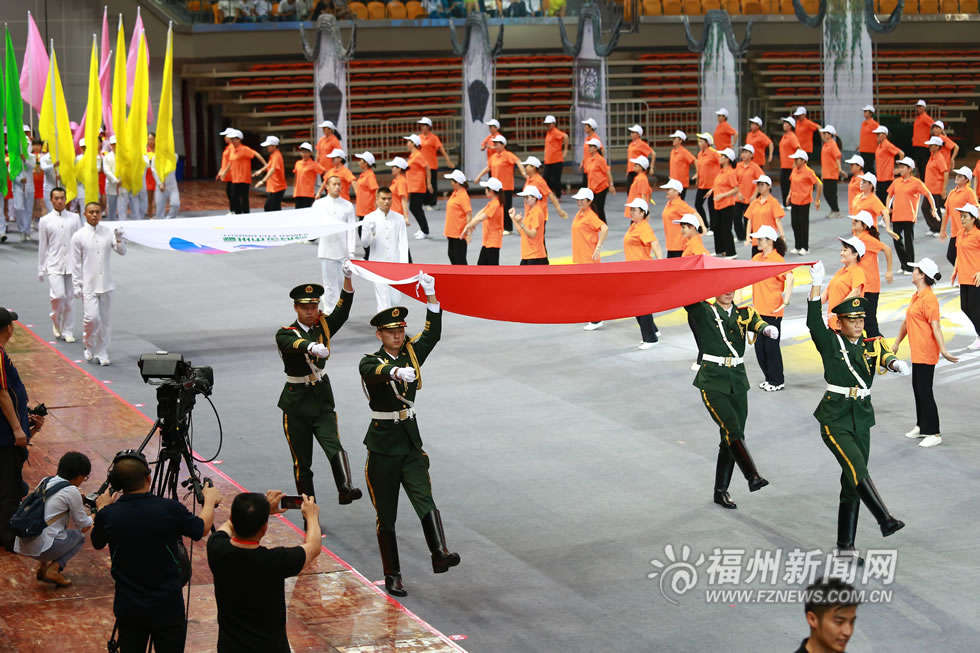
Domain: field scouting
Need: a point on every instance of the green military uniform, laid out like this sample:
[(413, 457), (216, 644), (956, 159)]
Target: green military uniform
[(395, 456), (845, 412), (306, 400), (724, 386)]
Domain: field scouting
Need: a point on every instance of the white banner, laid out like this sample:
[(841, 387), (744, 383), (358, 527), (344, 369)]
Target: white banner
[(477, 103), (719, 81), (591, 95), (847, 75)]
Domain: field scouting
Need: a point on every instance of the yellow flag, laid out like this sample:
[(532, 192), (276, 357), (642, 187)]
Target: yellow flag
[(136, 120), (56, 130), (165, 158), (87, 170), (119, 107)]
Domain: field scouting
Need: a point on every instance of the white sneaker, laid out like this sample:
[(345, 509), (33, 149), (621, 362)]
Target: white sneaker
[(592, 326), (88, 356), (906, 272), (709, 232), (647, 345), (763, 385), (695, 366), (429, 208), (803, 251), (931, 440), (914, 433), (104, 361), (732, 256), (56, 332), (975, 345), (658, 334), (69, 339), (507, 233), (774, 388), (420, 235), (794, 251)]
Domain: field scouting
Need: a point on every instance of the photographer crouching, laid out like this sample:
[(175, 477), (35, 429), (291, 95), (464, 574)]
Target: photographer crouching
[(149, 562)]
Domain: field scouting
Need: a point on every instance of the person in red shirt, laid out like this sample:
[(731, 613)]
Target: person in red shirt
[(921, 131), (904, 195), (275, 175), (770, 297), (637, 147), (868, 143), (725, 135), (419, 185), (805, 129), (531, 226), (802, 181), (707, 169), (746, 172), (762, 145), (788, 144), (680, 162), (555, 153), (830, 168), (431, 148), (967, 269), (674, 210), (936, 178), (458, 212), (492, 217), (885, 156), (863, 228), (960, 194), (926, 342), (501, 166), (950, 150), (722, 194), (305, 172), (600, 178), (640, 244)]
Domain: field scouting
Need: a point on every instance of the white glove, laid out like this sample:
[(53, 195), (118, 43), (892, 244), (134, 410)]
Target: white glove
[(901, 367), (817, 273), (771, 332), (318, 350), (428, 283), (347, 268), (119, 233), (78, 293), (404, 374), (40, 276)]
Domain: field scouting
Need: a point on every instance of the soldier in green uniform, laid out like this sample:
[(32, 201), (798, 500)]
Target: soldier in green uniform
[(392, 377), (306, 401), (724, 385), (845, 413)]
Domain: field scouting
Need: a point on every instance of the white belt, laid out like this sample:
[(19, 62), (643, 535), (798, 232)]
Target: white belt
[(309, 379), (397, 415), (724, 361), (850, 393)]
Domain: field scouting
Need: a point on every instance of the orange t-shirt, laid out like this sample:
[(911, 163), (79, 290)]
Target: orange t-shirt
[(746, 173), (306, 172), (636, 148), (277, 180), (767, 295), (788, 144), (923, 310), (906, 203), (675, 210), (488, 146), (493, 225), (869, 203), (325, 146), (885, 160), (801, 182), (830, 161), (585, 235), (554, 141), (935, 170), (458, 210), (708, 167), (853, 188), (241, 164), (804, 133), (921, 129), (225, 158), (538, 182), (868, 141), (639, 188), (430, 149), (968, 255), (955, 199), (947, 150), (869, 262), (598, 173), (694, 246), (723, 135), (976, 172), (680, 165), (586, 154), (846, 279), (532, 248), (725, 181), (346, 179), (758, 140), (763, 211), (416, 173), (638, 240), (367, 187), (502, 167), (399, 193)]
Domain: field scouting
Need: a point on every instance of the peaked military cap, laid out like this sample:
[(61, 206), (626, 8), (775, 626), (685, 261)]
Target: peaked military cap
[(306, 293), (854, 307), (390, 318)]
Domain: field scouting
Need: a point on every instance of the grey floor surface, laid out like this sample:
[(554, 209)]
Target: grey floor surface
[(564, 461)]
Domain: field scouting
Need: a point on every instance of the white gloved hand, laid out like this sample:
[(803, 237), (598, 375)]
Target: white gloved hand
[(318, 350), (119, 233), (817, 272), (406, 374), (374, 227), (901, 367), (428, 283), (347, 268), (40, 276), (771, 332), (78, 293)]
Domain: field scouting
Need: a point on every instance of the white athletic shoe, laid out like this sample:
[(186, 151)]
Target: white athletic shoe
[(695, 366), (419, 235), (774, 388), (794, 251), (658, 334), (647, 345), (69, 339), (429, 208), (914, 433), (507, 233), (592, 326), (56, 331), (104, 361), (803, 251), (906, 272), (709, 232), (88, 356), (975, 345), (931, 440)]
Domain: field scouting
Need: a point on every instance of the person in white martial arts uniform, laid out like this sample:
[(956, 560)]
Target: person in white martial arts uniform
[(136, 203), (385, 233), (166, 191), (54, 234), (333, 250), (91, 251), (23, 187), (50, 169), (111, 182)]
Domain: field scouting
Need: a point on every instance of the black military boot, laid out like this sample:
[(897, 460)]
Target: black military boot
[(435, 537), (847, 521), (341, 475), (869, 494), (723, 476), (744, 460), (388, 546)]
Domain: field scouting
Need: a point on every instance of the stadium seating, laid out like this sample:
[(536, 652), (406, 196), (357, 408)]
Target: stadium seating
[(414, 9), (376, 10), (359, 9), (396, 10)]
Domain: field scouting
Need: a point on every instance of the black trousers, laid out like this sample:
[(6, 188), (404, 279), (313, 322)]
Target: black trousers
[(303, 202), (768, 353), (800, 219), (231, 204), (507, 201), (951, 253), (970, 302), (932, 222), (415, 202), (648, 328), (430, 198), (599, 204), (739, 220), (239, 198), (871, 315), (134, 635), (11, 490), (905, 244), (534, 261), (552, 175), (674, 253), (881, 190), (489, 256), (830, 194), (784, 174), (724, 241), (921, 157), (704, 209), (630, 176), (684, 194), (274, 201), (457, 251), (869, 162), (926, 410)]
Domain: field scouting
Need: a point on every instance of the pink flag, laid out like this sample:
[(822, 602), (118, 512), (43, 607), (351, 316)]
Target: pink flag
[(106, 118), (34, 72), (104, 77), (134, 44)]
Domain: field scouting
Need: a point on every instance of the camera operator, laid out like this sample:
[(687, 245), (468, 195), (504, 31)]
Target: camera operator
[(248, 578), (143, 532)]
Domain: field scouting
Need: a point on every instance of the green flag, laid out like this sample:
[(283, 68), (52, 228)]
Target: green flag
[(3, 167), (13, 110)]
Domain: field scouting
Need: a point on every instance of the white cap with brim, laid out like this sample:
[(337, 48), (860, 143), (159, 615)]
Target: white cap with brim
[(328, 123), (584, 194), (641, 161), (765, 231), (367, 157), (690, 219), (679, 134), (729, 153), (337, 153), (800, 111), (457, 176), (591, 123), (880, 129), (829, 129), (397, 162), (306, 146), (927, 267), (940, 124), (27, 128), (935, 140), (639, 203), (870, 178), (756, 119), (865, 217), (966, 172), (424, 121), (269, 140), (531, 191), (749, 147), (673, 184), (493, 122), (236, 133), (637, 129), (549, 120), (722, 112), (594, 142), (415, 140), (532, 161), (800, 154), (493, 184), (227, 131), (499, 138), (707, 137), (854, 242), (868, 107), (764, 179), (907, 161), (921, 103), (969, 208), (112, 140), (81, 142), (857, 160), (790, 119)]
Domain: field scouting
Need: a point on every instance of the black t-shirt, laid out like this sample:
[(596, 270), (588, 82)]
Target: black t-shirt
[(142, 531), (251, 594)]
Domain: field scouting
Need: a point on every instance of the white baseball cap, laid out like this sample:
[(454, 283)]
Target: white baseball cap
[(829, 129), (690, 219), (642, 161), (549, 120), (397, 162), (856, 159), (756, 119), (423, 121), (531, 191), (927, 267), (112, 140), (765, 231), (791, 120), (306, 146), (722, 112), (591, 123), (868, 107), (854, 242), (935, 140), (499, 138), (81, 142), (977, 148), (921, 103), (584, 194), (870, 178), (328, 123), (966, 172), (227, 131), (236, 133), (594, 141), (493, 122), (880, 129), (532, 161), (749, 147), (492, 183), (27, 128), (457, 176), (907, 161), (414, 138), (269, 140), (969, 208), (637, 129), (800, 154), (865, 217), (337, 153), (800, 111), (729, 153), (763, 179), (673, 184), (707, 137), (939, 123), (639, 203), (679, 134), (367, 157)]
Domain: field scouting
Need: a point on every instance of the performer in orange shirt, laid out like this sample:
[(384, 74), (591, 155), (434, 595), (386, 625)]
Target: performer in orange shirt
[(725, 135), (588, 234), (802, 181), (431, 148), (502, 167), (765, 210), (419, 185), (926, 342), (599, 176), (589, 126), (762, 145), (788, 144), (275, 175), (492, 217), (224, 173), (327, 143), (863, 227), (866, 200), (531, 226), (960, 194), (921, 131), (968, 268), (399, 186), (708, 168), (458, 212), (240, 170), (885, 155), (830, 168), (847, 282), (904, 196), (341, 172), (637, 147), (305, 171), (689, 225), (640, 244), (493, 126), (680, 162), (868, 143), (746, 172), (854, 185), (770, 297), (723, 194), (640, 188), (805, 129), (950, 150), (674, 210), (555, 153), (366, 185), (936, 179)]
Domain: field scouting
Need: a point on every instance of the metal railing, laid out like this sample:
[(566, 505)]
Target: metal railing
[(386, 138), (529, 131), (663, 123), (620, 116)]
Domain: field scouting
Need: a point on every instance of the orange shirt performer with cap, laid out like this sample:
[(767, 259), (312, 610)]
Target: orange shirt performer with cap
[(305, 172), (868, 142), (690, 225), (588, 234), (848, 282), (531, 226), (275, 175), (673, 211), (555, 153), (640, 244), (431, 148), (770, 297), (904, 195)]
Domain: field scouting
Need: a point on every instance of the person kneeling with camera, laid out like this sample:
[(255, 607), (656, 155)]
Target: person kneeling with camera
[(249, 579), (149, 563)]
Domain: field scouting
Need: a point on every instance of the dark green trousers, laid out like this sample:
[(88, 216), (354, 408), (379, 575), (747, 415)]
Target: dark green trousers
[(729, 412), (852, 450), (387, 474), (300, 431)]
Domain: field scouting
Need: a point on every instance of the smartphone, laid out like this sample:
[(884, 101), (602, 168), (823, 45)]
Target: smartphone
[(291, 502)]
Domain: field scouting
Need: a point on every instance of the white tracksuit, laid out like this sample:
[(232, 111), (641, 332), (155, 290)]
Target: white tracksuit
[(54, 234)]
